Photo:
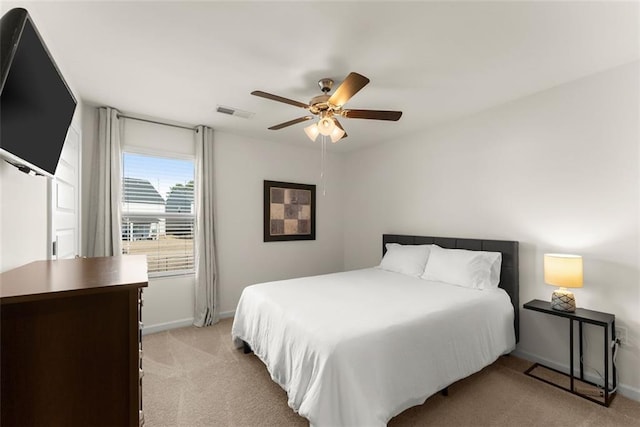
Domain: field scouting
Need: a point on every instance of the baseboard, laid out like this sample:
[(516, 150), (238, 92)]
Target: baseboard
[(227, 314), (624, 390), (152, 329)]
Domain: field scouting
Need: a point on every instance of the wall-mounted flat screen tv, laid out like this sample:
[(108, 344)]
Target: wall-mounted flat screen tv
[(36, 105)]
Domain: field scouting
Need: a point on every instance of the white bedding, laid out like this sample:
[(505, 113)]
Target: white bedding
[(357, 348)]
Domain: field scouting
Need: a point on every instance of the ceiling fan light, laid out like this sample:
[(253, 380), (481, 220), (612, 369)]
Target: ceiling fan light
[(336, 134), (312, 131), (326, 125)]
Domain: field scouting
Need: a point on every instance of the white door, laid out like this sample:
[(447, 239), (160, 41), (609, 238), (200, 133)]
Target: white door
[(64, 191)]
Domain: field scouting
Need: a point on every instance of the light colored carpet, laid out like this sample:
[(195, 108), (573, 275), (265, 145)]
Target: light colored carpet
[(195, 377)]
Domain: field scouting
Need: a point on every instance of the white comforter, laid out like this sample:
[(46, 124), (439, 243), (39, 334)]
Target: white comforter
[(357, 348)]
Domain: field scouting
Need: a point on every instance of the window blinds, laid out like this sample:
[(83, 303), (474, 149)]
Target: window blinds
[(158, 211)]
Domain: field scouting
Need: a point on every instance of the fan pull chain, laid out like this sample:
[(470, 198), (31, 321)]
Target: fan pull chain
[(323, 162)]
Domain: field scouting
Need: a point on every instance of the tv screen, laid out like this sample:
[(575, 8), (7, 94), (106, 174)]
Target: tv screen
[(36, 105)]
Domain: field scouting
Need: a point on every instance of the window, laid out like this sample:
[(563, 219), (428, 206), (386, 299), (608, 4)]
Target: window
[(158, 211)]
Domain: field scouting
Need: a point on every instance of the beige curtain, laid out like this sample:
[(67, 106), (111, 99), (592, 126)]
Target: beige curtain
[(104, 234), (206, 299)]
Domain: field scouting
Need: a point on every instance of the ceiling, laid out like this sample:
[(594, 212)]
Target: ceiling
[(435, 61)]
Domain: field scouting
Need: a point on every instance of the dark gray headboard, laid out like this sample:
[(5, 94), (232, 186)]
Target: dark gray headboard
[(509, 273)]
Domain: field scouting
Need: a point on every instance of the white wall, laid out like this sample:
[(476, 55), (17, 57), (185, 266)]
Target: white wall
[(241, 166), (23, 217), (557, 171), (168, 303)]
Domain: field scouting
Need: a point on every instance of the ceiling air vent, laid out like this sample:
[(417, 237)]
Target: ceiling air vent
[(234, 112)]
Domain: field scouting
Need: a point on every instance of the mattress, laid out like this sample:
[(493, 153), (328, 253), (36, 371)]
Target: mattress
[(359, 347)]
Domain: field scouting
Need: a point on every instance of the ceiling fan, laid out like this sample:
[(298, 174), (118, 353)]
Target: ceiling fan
[(330, 107)]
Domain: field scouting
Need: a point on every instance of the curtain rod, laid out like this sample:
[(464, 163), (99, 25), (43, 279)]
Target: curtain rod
[(120, 115)]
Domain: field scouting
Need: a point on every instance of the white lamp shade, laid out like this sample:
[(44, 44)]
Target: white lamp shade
[(336, 134), (326, 126), (563, 270), (312, 131)]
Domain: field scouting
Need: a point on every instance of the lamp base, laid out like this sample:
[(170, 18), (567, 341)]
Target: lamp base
[(563, 300)]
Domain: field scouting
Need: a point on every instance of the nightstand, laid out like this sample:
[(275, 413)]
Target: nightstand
[(606, 321)]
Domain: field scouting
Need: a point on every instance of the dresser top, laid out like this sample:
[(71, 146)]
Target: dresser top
[(47, 279)]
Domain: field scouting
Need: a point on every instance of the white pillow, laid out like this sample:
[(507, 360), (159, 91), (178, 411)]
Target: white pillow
[(471, 269), (405, 259)]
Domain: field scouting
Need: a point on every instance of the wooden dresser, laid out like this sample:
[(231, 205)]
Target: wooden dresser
[(70, 336)]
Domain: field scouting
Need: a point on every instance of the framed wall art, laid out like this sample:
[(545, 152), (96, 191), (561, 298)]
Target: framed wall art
[(289, 211)]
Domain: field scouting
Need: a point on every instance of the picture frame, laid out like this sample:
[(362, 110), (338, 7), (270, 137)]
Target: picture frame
[(289, 211)]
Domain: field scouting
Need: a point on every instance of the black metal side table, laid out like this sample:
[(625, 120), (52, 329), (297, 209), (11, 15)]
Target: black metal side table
[(581, 315)]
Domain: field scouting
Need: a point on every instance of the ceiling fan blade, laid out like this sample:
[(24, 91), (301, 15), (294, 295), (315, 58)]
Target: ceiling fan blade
[(291, 122), (340, 126), (372, 114), (279, 98), (349, 87)]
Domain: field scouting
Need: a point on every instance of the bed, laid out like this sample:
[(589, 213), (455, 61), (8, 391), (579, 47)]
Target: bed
[(359, 347)]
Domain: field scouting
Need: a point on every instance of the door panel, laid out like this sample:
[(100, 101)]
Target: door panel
[(65, 204)]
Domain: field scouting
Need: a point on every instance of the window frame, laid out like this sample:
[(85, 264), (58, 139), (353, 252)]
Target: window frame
[(143, 151)]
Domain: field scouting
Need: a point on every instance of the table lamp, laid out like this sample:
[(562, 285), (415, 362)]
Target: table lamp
[(565, 271)]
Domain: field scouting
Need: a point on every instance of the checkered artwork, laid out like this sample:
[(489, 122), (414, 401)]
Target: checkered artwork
[(290, 210)]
